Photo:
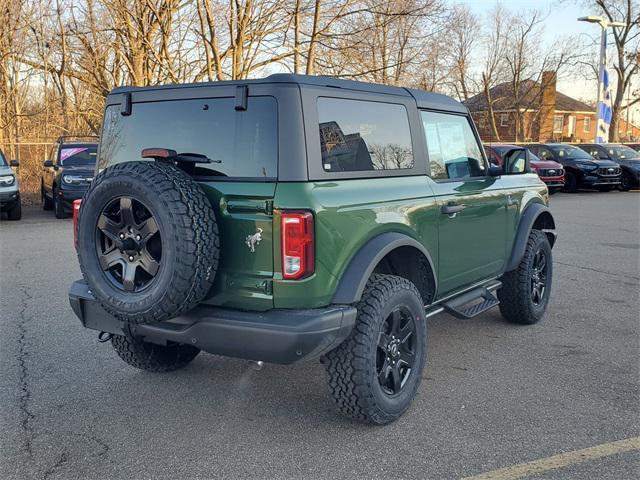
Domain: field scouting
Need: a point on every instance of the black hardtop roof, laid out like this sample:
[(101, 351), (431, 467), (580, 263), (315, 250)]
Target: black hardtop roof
[(423, 99)]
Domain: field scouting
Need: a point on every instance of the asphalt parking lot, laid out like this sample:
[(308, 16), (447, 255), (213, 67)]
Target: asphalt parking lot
[(494, 395)]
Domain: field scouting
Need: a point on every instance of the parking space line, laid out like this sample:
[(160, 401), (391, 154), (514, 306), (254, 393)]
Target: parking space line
[(561, 460)]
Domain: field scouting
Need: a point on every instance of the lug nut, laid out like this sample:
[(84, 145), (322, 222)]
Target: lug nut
[(121, 236), (138, 237), (131, 258)]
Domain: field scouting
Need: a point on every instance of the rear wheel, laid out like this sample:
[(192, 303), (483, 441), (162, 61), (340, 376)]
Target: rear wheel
[(151, 357), (375, 373), (525, 291), (148, 241)]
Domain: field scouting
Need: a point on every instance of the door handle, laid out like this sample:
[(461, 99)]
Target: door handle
[(452, 209)]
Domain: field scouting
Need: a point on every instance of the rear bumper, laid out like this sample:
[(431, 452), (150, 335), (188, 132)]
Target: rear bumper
[(276, 336)]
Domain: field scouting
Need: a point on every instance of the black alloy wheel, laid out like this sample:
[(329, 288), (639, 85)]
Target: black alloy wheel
[(626, 182), (128, 243), (539, 277), (570, 182), (395, 355)]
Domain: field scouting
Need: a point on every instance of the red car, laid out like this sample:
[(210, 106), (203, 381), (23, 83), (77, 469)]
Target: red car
[(550, 172)]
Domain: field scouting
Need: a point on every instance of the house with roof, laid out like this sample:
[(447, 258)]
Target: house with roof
[(536, 112)]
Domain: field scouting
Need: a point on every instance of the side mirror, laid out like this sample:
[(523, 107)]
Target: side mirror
[(516, 161), (48, 163), (14, 163), (495, 171)]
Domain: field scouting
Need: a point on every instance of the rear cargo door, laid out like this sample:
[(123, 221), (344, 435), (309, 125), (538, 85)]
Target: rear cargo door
[(237, 132)]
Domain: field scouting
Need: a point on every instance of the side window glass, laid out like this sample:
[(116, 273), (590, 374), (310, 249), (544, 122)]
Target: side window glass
[(358, 135), (452, 147), (545, 154)]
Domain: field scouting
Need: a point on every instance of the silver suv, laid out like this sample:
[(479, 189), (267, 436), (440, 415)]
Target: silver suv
[(9, 189)]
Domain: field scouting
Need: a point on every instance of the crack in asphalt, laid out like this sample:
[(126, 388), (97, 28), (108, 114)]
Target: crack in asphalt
[(59, 463), (23, 378), (617, 274), (27, 417)]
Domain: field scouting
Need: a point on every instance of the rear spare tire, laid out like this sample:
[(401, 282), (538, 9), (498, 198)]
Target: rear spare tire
[(148, 242)]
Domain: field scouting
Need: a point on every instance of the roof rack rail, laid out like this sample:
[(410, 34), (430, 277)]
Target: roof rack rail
[(66, 138)]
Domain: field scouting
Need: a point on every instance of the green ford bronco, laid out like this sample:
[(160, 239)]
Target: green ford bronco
[(296, 218)]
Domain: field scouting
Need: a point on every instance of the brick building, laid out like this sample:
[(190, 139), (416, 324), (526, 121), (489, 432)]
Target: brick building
[(546, 114)]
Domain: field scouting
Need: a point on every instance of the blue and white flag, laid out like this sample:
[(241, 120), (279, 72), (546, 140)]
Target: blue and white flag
[(604, 95)]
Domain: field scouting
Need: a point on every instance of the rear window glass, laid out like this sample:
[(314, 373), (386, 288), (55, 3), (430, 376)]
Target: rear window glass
[(78, 155), (241, 144), (357, 135), (3, 161)]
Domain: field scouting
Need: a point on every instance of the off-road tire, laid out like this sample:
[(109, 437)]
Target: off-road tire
[(516, 304), (152, 357), (351, 367), (626, 181), (16, 211), (189, 235), (47, 204), (570, 183), (58, 208)]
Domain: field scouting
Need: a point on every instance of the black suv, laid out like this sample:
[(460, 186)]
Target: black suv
[(625, 156), (581, 169), (67, 175)]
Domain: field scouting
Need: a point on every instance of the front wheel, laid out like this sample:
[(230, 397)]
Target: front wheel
[(151, 357), (570, 183), (58, 207), (626, 182), (16, 211), (525, 291), (47, 204), (375, 373)]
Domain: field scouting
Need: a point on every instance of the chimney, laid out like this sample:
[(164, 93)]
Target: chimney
[(547, 107)]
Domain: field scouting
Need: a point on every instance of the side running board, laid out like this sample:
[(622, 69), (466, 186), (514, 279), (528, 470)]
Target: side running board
[(474, 302)]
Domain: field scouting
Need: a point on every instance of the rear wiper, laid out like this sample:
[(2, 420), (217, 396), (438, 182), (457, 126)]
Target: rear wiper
[(173, 156)]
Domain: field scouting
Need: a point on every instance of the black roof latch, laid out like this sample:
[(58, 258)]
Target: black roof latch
[(242, 94)]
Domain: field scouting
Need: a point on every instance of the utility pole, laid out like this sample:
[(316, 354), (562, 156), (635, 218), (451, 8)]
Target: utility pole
[(603, 106)]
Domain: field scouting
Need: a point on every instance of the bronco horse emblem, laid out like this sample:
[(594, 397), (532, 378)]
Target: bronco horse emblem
[(253, 240)]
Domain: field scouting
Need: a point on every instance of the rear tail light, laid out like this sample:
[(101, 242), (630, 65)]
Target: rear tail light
[(297, 245), (76, 214)]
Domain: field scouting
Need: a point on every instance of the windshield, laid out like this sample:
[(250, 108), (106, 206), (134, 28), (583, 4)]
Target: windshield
[(3, 161), (78, 155), (569, 151), (622, 152)]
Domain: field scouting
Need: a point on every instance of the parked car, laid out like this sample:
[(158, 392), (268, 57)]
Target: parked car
[(300, 217), (635, 146), (550, 172), (581, 170), (623, 155), (67, 174), (9, 189)]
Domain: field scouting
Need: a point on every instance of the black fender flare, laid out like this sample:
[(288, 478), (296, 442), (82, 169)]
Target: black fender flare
[(531, 213), (362, 264)]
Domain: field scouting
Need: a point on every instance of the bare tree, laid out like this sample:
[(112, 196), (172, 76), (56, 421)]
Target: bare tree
[(462, 37)]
